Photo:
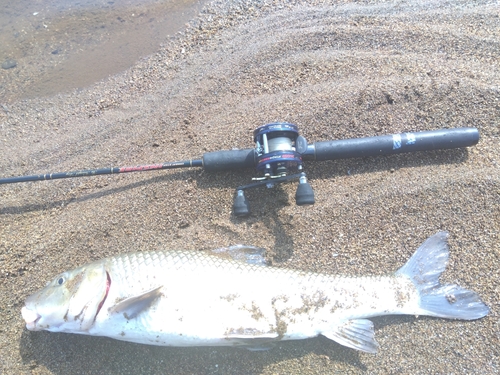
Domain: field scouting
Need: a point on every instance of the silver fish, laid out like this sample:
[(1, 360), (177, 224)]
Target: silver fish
[(182, 298)]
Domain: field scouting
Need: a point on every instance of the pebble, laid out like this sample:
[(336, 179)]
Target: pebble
[(9, 64)]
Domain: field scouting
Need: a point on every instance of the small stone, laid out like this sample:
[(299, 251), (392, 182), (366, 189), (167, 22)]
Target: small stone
[(183, 224), (9, 63)]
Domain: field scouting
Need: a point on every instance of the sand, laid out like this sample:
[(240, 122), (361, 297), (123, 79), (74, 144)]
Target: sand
[(342, 69)]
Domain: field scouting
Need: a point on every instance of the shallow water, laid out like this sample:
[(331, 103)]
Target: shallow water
[(48, 47)]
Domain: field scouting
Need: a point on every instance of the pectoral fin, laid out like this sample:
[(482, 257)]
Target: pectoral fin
[(133, 306), (357, 334)]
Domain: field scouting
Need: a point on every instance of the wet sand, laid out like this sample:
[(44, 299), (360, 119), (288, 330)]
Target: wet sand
[(60, 45), (347, 70)]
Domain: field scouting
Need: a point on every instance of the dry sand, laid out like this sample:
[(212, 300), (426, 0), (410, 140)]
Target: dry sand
[(340, 70)]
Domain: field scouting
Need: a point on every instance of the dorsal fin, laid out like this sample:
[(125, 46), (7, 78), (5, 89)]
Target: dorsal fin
[(243, 253)]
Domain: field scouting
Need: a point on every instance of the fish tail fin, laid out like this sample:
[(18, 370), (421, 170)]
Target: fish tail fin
[(444, 301)]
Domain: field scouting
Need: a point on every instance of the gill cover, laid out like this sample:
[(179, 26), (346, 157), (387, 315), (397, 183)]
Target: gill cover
[(70, 302)]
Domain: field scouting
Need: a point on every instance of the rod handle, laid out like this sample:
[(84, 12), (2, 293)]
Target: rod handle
[(229, 160), (393, 144)]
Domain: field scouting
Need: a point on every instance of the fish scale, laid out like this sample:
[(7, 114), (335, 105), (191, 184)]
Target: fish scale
[(194, 298)]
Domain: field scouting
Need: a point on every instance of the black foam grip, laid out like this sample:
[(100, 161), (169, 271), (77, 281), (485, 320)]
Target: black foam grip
[(396, 144), (229, 159)]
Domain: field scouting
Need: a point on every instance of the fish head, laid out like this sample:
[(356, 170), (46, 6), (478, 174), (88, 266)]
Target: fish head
[(70, 302)]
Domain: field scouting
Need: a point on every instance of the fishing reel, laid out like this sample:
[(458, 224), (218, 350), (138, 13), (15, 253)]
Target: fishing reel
[(278, 158)]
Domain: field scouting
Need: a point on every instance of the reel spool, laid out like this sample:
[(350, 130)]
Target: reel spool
[(275, 147), (278, 151)]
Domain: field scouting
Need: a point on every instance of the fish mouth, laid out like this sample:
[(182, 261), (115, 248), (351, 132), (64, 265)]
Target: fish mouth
[(30, 317)]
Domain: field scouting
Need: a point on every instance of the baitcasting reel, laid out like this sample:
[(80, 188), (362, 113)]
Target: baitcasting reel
[(278, 154)]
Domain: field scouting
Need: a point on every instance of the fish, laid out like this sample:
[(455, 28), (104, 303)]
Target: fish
[(232, 298)]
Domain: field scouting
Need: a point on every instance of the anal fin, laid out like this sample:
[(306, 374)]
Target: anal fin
[(356, 334), (133, 306)]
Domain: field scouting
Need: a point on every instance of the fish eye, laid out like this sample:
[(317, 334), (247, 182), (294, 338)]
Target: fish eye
[(60, 281)]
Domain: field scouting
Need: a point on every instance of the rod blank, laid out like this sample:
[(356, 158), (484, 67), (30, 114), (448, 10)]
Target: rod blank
[(101, 171)]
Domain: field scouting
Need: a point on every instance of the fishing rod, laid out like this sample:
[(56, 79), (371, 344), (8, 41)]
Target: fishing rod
[(279, 154)]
